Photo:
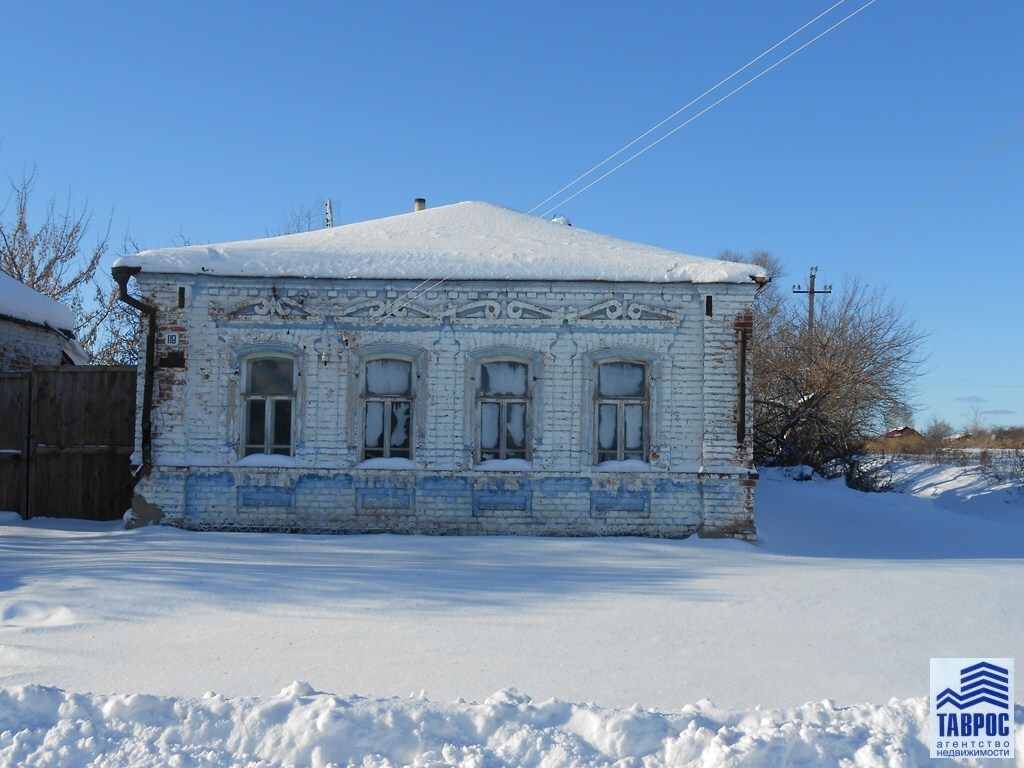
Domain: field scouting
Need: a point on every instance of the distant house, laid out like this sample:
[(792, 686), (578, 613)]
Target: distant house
[(903, 431), (463, 369), (35, 329)]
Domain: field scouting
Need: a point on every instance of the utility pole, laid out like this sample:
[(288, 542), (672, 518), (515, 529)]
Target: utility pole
[(811, 293)]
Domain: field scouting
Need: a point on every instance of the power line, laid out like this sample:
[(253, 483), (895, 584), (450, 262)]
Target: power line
[(942, 187), (811, 292), (954, 384), (758, 76), (682, 109), (412, 294), (966, 206)]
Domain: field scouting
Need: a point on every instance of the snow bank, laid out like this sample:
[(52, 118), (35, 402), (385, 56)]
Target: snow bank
[(967, 490), (845, 597), (48, 726), (471, 241), (19, 301)]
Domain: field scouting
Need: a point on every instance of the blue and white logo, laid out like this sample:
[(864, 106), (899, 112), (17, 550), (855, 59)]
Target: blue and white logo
[(972, 708), (981, 683)]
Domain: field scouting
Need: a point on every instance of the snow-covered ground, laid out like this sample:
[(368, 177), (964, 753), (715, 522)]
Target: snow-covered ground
[(840, 604)]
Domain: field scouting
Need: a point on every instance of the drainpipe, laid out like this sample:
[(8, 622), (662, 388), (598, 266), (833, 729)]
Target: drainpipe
[(121, 277)]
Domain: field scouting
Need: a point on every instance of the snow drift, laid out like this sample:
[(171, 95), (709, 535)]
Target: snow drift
[(46, 726)]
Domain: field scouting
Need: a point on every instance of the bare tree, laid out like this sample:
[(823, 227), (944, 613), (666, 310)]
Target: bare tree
[(110, 330), (975, 425), (822, 393), (938, 431), (1009, 437), (53, 258), (820, 396), (305, 218)]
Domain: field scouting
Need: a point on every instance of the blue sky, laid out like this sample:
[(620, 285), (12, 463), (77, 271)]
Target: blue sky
[(216, 120)]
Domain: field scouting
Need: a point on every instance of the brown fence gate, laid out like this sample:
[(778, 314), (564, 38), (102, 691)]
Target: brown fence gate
[(66, 437)]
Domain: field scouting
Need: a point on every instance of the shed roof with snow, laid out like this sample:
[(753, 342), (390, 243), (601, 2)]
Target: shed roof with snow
[(19, 302), (470, 241), (26, 306)]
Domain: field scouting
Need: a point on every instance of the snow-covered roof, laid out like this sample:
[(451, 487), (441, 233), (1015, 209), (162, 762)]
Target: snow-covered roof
[(470, 241), (20, 302), (74, 351)]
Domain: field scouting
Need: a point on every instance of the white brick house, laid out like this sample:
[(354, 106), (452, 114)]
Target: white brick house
[(463, 369), (35, 329)]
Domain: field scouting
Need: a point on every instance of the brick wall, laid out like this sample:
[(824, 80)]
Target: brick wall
[(698, 477), (22, 346)]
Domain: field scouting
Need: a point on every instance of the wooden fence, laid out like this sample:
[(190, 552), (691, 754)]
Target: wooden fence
[(66, 436)]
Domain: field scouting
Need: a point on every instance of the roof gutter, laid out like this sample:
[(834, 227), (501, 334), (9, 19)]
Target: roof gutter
[(121, 277)]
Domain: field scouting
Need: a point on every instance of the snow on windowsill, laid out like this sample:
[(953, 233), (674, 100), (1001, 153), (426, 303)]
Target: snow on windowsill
[(390, 463), (629, 465), (504, 465), (267, 460)]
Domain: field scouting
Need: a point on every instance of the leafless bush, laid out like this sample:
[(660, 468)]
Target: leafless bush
[(821, 393), (870, 476), (1005, 466)]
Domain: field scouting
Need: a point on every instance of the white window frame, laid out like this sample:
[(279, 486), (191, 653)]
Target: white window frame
[(387, 401), (503, 401), (269, 414), (622, 453)]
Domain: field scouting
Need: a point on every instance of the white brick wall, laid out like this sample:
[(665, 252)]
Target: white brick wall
[(700, 477), (22, 346)]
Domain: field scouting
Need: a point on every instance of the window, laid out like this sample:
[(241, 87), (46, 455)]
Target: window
[(388, 409), (620, 411), (503, 402), (269, 405)]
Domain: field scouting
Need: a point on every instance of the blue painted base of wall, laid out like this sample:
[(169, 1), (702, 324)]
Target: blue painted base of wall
[(378, 501)]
